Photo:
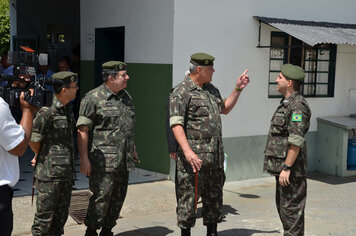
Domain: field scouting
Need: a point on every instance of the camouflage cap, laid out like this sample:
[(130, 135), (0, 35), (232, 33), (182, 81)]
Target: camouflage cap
[(293, 72), (114, 66), (202, 59), (65, 76)]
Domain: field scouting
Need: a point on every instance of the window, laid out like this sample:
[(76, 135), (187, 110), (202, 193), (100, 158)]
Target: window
[(318, 63), (49, 38), (61, 38)]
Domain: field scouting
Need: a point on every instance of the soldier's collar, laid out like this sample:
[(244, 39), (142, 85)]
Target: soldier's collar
[(107, 92), (121, 93), (56, 103), (191, 84), (288, 100), (206, 85)]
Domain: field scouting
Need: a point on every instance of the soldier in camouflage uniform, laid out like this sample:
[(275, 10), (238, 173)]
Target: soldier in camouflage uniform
[(286, 153), (195, 107), (53, 144), (107, 146)]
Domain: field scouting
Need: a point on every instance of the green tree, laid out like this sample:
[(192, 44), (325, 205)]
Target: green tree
[(4, 26)]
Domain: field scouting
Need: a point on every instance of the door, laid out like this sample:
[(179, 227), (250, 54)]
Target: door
[(109, 46)]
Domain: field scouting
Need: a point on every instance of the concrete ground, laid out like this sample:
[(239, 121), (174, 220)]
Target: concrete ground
[(249, 206)]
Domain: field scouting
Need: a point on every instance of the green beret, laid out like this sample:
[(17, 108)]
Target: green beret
[(293, 72), (114, 65), (65, 76), (202, 59)]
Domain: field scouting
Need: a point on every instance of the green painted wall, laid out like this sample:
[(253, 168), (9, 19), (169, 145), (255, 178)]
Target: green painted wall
[(149, 86)]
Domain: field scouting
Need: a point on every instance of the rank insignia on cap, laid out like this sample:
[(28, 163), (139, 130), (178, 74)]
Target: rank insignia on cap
[(206, 62), (72, 79), (120, 66), (296, 117)]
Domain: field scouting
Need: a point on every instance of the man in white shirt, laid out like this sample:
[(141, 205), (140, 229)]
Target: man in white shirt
[(14, 139)]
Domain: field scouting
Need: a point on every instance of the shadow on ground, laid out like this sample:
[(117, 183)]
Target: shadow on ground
[(244, 195), (150, 231), (226, 209), (330, 179), (245, 232), (162, 231)]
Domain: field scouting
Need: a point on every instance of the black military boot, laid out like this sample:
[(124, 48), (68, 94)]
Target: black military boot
[(212, 230), (185, 232), (106, 232), (90, 232)]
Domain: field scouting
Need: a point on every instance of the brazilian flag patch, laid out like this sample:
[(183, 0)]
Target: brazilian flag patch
[(296, 117)]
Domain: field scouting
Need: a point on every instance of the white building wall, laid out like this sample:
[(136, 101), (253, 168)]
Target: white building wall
[(227, 30), (148, 27)]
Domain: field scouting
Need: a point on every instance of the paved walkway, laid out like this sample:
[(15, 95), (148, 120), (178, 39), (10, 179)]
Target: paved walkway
[(249, 206)]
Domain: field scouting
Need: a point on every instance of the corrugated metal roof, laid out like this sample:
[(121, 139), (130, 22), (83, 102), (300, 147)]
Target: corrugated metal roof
[(312, 32)]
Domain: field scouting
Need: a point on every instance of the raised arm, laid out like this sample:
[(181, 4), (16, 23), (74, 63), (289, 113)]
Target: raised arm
[(241, 83)]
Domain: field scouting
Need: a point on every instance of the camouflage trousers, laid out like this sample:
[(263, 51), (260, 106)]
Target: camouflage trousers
[(210, 188), (52, 206), (109, 192), (290, 203)]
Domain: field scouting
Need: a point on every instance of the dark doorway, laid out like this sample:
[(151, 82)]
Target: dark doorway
[(109, 46)]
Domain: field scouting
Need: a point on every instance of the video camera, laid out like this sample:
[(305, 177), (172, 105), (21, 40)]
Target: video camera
[(25, 63)]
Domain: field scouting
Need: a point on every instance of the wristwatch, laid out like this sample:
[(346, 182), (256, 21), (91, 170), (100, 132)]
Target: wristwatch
[(238, 89), (286, 167)]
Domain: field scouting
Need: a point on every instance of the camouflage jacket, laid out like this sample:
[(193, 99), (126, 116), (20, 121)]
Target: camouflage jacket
[(53, 127), (198, 111), (110, 118), (289, 124)]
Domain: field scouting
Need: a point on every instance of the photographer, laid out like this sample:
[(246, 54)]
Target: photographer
[(14, 140)]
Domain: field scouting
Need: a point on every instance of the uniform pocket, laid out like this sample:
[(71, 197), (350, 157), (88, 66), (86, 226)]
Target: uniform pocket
[(202, 146), (111, 118), (60, 122), (110, 111), (277, 124), (277, 147), (59, 163), (200, 106), (110, 154)]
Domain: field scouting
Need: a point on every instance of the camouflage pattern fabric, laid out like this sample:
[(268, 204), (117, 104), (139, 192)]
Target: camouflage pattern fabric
[(198, 111), (290, 203), (285, 131), (54, 171), (210, 185), (109, 192), (289, 125), (52, 203), (53, 127), (110, 118)]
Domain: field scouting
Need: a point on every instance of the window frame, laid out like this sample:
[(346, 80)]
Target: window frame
[(287, 39)]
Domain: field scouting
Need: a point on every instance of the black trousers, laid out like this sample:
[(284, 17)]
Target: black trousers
[(6, 215)]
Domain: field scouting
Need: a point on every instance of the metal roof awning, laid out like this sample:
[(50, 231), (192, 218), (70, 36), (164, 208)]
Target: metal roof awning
[(312, 32)]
